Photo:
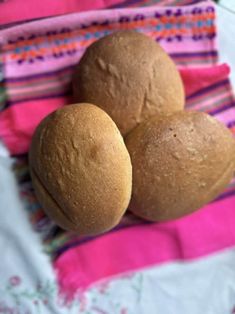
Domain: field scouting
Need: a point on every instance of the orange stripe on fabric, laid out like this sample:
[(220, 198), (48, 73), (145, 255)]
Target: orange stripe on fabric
[(116, 25)]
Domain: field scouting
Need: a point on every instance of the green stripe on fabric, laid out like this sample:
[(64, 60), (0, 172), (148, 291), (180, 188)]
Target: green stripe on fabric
[(38, 83), (45, 92), (193, 61), (180, 2), (3, 98), (222, 101), (54, 244), (149, 3), (231, 185)]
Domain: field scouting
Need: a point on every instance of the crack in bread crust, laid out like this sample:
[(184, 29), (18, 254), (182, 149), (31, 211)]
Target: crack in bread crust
[(49, 195)]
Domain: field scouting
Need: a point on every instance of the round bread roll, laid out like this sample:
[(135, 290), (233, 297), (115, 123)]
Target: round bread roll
[(81, 169), (130, 76), (180, 162)]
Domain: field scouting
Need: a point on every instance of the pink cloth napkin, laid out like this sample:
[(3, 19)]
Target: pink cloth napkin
[(206, 231), (17, 10), (12, 11)]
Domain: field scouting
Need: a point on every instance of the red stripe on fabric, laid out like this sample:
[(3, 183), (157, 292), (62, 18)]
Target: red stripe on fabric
[(208, 77)]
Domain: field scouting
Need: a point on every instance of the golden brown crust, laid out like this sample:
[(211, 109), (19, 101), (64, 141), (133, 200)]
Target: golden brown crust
[(129, 76), (81, 169), (180, 162)]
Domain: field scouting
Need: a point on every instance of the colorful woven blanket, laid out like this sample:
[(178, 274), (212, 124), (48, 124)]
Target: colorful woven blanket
[(36, 64)]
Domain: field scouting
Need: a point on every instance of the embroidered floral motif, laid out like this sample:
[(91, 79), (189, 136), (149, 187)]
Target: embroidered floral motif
[(15, 280), (17, 298), (169, 25)]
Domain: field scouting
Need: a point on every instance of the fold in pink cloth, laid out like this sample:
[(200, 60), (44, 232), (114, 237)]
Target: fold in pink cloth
[(204, 232), (17, 10)]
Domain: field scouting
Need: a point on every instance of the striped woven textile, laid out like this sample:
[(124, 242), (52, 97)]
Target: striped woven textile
[(37, 60), (38, 65)]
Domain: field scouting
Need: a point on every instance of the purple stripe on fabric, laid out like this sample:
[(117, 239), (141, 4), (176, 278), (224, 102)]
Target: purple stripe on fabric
[(223, 108), (24, 155), (194, 54), (231, 124), (195, 1), (225, 195), (64, 248), (124, 4), (45, 74), (209, 88), (130, 2)]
